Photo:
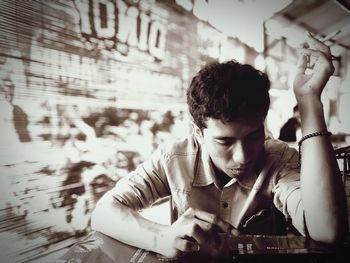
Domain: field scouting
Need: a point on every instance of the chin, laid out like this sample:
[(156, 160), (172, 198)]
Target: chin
[(235, 174)]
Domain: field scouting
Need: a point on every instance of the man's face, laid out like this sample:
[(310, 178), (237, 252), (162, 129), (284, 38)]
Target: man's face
[(234, 147)]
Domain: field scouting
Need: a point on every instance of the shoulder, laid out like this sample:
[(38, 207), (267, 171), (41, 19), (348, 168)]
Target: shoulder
[(180, 147), (175, 152), (280, 150), (284, 161), (179, 162)]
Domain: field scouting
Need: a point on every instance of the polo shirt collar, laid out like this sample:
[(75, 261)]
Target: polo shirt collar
[(205, 173)]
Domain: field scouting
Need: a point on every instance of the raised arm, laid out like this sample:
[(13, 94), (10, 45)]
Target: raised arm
[(322, 190)]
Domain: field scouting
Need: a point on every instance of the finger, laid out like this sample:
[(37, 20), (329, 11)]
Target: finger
[(195, 231), (185, 245), (211, 218), (317, 45), (235, 232), (195, 228), (313, 52), (204, 225), (320, 58), (202, 218), (210, 232), (189, 213), (302, 63)]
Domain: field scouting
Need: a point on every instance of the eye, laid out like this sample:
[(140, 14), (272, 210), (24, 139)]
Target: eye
[(225, 142)]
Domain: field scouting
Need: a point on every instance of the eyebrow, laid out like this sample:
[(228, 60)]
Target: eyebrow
[(226, 138)]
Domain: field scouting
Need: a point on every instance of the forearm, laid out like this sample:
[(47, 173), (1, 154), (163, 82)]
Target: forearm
[(126, 225), (323, 194)]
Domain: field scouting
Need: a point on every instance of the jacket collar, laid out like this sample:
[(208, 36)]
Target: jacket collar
[(204, 174)]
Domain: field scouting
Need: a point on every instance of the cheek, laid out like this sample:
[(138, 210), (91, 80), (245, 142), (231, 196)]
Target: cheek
[(214, 150), (219, 154)]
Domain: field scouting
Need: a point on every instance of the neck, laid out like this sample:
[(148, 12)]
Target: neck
[(260, 162), (223, 177)]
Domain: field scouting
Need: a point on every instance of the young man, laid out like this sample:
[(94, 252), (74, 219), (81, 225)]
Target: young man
[(229, 175)]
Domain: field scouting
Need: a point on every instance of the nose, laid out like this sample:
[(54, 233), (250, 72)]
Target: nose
[(239, 153)]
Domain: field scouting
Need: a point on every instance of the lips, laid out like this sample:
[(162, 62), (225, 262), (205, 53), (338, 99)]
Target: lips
[(240, 169)]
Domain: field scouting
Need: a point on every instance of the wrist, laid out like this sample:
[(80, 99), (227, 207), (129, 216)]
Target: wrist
[(311, 115), (160, 240), (310, 106), (308, 99)]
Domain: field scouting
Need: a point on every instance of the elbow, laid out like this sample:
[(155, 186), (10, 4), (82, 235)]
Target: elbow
[(330, 230), (331, 236), (329, 239), (98, 215), (95, 220), (105, 215)]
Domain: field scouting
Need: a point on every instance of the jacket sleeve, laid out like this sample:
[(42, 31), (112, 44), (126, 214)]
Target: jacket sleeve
[(286, 190), (148, 183)]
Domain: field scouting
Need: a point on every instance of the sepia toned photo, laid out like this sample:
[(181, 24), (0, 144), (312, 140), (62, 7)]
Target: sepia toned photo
[(174, 130)]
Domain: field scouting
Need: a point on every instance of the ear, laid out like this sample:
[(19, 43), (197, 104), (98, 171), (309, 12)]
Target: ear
[(197, 133)]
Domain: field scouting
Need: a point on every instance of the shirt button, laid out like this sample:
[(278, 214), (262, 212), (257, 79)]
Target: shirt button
[(224, 204)]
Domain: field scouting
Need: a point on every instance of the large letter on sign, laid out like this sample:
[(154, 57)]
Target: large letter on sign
[(83, 9), (157, 38), (104, 18), (127, 23)]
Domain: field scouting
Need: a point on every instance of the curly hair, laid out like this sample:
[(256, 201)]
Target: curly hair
[(227, 91)]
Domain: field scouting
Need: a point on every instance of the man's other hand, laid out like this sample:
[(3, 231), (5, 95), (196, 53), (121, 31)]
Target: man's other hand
[(195, 230)]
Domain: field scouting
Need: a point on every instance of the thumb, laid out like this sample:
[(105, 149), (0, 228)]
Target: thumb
[(235, 232)]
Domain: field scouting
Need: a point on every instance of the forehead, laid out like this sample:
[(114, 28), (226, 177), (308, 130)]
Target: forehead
[(238, 128)]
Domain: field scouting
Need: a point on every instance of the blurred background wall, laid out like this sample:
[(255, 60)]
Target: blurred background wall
[(89, 88)]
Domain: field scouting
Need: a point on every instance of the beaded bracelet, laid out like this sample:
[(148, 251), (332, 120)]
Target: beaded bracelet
[(320, 133)]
